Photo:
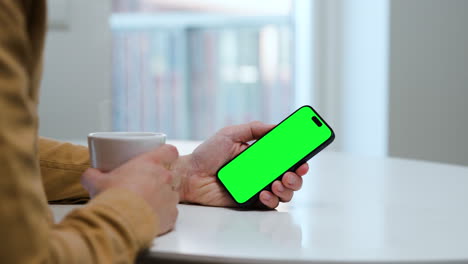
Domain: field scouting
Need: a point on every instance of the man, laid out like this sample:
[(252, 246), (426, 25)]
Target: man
[(130, 205)]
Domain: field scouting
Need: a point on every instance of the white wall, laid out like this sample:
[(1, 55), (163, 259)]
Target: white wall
[(364, 82), (391, 76), (77, 71), (429, 80), (349, 72)]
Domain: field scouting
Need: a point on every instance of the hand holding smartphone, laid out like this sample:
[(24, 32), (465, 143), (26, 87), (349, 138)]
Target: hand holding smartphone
[(288, 145)]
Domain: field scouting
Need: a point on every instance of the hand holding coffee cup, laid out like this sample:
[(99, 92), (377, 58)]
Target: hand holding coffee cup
[(137, 162)]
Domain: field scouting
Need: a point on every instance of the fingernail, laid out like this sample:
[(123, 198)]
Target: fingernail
[(267, 196), (291, 180), (281, 188)]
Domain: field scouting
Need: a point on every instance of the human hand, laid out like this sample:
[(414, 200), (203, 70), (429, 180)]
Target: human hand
[(148, 176), (198, 170)]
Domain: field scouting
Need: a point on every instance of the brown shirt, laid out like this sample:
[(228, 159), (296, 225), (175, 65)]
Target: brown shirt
[(113, 227)]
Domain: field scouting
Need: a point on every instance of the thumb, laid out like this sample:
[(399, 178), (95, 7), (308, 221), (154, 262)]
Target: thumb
[(251, 131)]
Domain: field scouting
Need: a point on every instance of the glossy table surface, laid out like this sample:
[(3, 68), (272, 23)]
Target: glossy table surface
[(351, 209)]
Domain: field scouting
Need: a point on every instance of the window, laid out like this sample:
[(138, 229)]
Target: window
[(191, 67)]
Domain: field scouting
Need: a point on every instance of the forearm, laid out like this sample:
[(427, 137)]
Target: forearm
[(112, 228), (101, 233)]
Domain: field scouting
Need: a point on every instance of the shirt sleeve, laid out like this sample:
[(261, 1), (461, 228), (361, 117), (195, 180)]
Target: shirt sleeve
[(112, 228), (62, 165)]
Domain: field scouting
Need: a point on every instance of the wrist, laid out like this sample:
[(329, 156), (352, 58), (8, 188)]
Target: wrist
[(181, 170)]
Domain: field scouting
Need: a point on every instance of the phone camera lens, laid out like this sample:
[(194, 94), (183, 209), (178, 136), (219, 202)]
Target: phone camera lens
[(317, 121)]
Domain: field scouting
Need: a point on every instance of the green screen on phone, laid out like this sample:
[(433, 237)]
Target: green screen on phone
[(296, 139)]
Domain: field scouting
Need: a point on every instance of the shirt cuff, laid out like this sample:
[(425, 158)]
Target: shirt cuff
[(133, 210)]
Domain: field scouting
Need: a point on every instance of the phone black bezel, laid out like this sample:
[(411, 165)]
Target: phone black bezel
[(314, 152)]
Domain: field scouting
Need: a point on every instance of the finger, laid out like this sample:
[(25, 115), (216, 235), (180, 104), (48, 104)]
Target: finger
[(268, 199), (284, 194), (303, 169), (292, 181), (250, 131), (90, 175), (90, 180), (176, 184), (165, 154), (169, 177)]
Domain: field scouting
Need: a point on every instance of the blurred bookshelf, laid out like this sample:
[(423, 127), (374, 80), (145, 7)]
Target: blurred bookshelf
[(189, 72)]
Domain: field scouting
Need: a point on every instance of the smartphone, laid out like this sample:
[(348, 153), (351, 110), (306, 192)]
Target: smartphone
[(288, 145)]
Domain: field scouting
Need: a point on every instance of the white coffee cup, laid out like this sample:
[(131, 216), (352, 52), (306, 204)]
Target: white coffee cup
[(108, 150)]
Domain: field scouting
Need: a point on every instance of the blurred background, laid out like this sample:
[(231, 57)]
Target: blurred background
[(390, 76)]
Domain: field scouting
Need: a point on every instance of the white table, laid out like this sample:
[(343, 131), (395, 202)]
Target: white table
[(350, 210)]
